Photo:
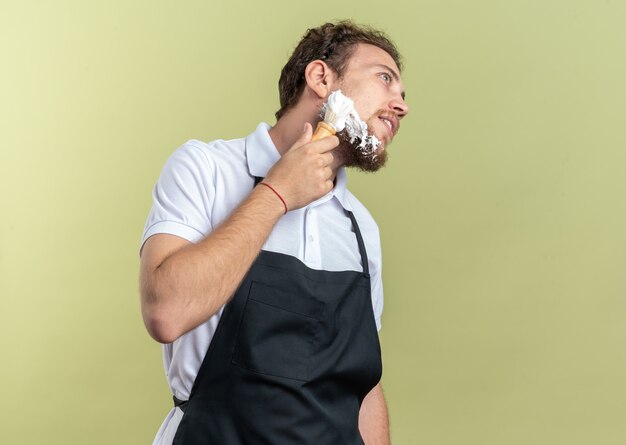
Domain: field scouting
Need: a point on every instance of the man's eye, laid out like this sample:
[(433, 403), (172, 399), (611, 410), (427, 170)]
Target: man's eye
[(385, 77)]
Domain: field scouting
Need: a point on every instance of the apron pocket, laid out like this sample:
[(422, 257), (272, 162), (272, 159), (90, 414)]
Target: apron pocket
[(277, 334)]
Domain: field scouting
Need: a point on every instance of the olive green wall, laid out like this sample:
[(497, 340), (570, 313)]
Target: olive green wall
[(502, 209)]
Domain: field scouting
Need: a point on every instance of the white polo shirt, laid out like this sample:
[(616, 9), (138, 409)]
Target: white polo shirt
[(201, 184)]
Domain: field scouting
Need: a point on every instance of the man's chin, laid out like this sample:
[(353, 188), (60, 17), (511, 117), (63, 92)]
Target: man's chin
[(366, 162), (353, 154)]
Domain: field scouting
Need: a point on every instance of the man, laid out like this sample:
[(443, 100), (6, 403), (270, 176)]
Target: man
[(254, 265)]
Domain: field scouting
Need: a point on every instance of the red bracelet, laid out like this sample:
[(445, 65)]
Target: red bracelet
[(277, 194)]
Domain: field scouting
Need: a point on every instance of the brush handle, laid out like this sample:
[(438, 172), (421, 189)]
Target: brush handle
[(323, 130)]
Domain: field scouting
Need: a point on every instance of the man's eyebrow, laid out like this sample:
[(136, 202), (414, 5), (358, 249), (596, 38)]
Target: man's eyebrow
[(393, 72)]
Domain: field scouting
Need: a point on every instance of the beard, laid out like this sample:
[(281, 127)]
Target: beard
[(353, 156), (361, 155)]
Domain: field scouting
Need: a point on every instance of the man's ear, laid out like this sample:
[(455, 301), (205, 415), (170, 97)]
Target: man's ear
[(320, 78)]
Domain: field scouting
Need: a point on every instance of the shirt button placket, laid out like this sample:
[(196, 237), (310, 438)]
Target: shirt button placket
[(314, 240)]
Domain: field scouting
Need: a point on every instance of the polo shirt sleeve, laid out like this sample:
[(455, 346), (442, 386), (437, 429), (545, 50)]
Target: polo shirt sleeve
[(183, 196)]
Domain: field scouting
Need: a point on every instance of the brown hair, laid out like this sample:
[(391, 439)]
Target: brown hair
[(334, 43)]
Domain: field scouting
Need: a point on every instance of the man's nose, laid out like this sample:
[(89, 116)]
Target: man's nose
[(399, 106)]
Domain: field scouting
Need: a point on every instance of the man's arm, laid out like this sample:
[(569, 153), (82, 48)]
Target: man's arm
[(184, 284), (373, 418)]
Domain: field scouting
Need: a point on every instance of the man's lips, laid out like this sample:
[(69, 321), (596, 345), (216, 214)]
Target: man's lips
[(391, 122)]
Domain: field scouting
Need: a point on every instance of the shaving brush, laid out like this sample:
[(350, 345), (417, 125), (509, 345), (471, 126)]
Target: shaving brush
[(335, 112)]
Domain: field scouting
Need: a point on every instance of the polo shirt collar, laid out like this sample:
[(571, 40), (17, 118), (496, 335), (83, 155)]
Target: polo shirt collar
[(261, 155), (340, 188)]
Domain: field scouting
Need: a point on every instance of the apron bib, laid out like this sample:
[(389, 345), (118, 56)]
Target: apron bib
[(295, 352)]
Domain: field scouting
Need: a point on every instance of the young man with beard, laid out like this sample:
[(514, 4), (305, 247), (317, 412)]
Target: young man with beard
[(261, 272)]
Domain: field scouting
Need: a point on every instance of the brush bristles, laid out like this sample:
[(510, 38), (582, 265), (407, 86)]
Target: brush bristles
[(337, 109), (331, 118)]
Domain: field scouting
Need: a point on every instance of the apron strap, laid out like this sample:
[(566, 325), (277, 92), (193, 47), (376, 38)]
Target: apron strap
[(359, 239), (357, 231)]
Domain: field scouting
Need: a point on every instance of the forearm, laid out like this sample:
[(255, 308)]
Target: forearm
[(374, 419), (184, 284), (194, 282)]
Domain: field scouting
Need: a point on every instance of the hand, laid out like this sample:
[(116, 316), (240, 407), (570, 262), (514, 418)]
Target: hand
[(304, 174)]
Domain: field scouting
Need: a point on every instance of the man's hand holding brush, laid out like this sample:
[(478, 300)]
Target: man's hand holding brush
[(306, 171)]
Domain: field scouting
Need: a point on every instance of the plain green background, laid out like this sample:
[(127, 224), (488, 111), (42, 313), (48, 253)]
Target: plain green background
[(502, 208)]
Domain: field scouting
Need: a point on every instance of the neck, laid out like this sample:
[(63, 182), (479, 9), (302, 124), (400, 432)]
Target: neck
[(287, 131)]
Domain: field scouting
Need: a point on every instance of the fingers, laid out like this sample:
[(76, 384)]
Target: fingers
[(327, 158), (326, 144), (328, 173), (329, 185), (320, 146)]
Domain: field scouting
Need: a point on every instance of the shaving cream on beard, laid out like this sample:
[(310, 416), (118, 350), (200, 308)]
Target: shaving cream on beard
[(355, 128)]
